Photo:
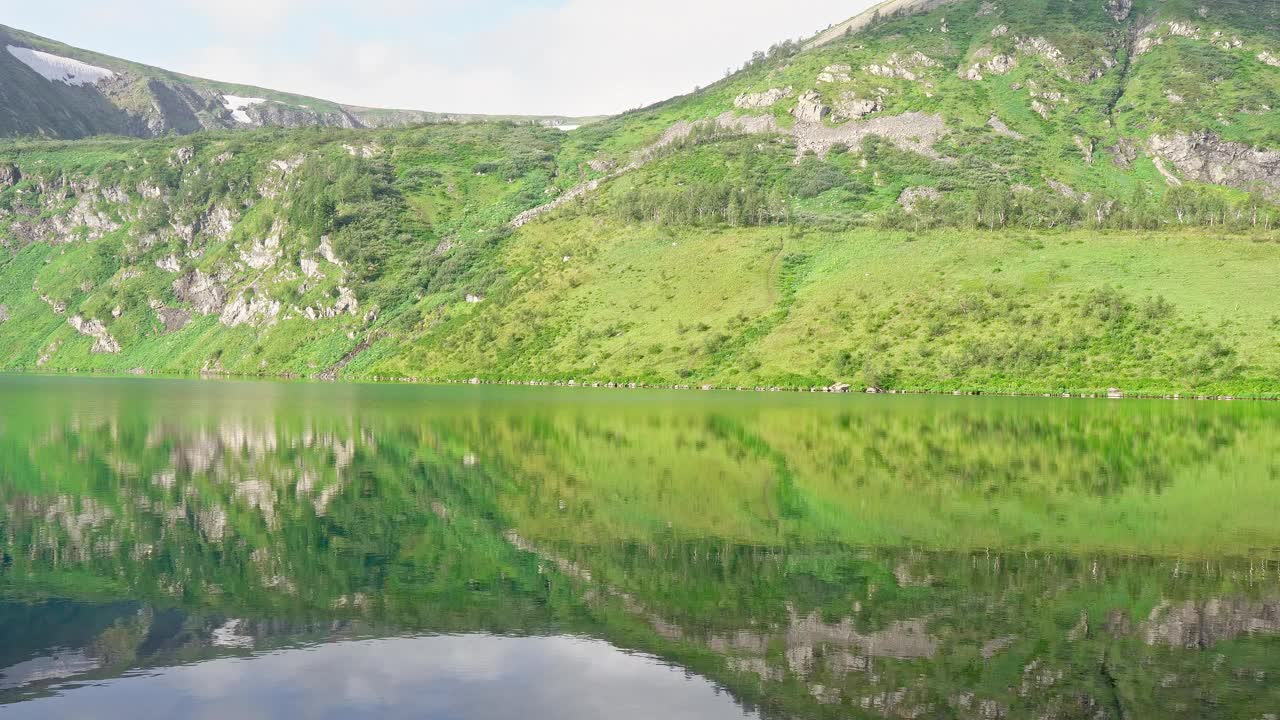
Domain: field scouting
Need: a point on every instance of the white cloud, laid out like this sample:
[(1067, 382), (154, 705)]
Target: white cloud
[(581, 58), (473, 676), (246, 17)]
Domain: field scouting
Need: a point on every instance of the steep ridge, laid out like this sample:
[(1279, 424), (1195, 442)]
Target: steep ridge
[(48, 89), (887, 9), (987, 196)]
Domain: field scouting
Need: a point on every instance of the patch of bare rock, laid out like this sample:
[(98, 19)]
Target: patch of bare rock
[(905, 67), (913, 131), (761, 100), (913, 196), (1000, 128), (1205, 157), (1119, 10), (103, 342), (205, 293)]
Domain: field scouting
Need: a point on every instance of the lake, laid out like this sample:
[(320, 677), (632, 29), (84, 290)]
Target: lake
[(179, 548)]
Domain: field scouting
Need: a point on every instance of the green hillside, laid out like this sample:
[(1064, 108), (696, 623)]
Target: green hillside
[(1028, 196)]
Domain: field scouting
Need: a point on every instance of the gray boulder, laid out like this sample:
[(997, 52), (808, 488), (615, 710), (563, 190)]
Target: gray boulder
[(810, 108)]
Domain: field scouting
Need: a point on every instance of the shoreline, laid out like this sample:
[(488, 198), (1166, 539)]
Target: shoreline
[(837, 389)]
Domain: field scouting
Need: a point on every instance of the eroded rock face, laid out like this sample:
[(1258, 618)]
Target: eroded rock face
[(998, 65), (835, 73), (173, 319), (1119, 10), (761, 100), (9, 175), (204, 292), (250, 311), (909, 67), (1042, 48), (263, 253), (914, 131), (1205, 157), (85, 219), (182, 156), (1124, 153), (810, 108), (104, 343), (326, 251), (1265, 56), (310, 267), (851, 107)]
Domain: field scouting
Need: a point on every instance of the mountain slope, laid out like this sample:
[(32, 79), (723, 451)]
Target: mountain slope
[(48, 89), (1027, 196)]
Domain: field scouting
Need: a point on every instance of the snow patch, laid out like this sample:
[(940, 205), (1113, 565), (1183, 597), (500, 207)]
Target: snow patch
[(237, 105), (59, 69)]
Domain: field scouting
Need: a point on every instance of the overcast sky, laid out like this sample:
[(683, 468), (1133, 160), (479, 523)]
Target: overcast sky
[(571, 57)]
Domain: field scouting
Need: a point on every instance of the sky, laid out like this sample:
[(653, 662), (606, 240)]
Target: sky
[(544, 57)]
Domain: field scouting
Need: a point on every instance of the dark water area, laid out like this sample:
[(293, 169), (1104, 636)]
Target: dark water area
[(218, 549)]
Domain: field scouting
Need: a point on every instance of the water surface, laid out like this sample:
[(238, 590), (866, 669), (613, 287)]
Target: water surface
[(216, 549)]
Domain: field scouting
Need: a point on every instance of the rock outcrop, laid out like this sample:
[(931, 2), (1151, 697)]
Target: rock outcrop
[(905, 67), (173, 319), (264, 253), (835, 73), (761, 100), (1119, 10), (205, 294), (250, 310), (997, 65), (851, 107), (810, 108), (915, 132), (1205, 157), (103, 342)]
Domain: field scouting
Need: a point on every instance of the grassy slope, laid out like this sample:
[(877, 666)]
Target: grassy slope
[(937, 311)]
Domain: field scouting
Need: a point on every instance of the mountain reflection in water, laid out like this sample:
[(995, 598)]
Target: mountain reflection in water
[(412, 677), (339, 551)]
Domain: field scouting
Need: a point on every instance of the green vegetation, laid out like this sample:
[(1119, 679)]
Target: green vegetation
[(1102, 231), (802, 552)]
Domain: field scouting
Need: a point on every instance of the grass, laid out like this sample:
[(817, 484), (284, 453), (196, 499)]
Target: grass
[(935, 311)]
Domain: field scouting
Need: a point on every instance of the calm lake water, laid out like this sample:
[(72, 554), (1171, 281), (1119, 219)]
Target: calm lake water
[(239, 550)]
